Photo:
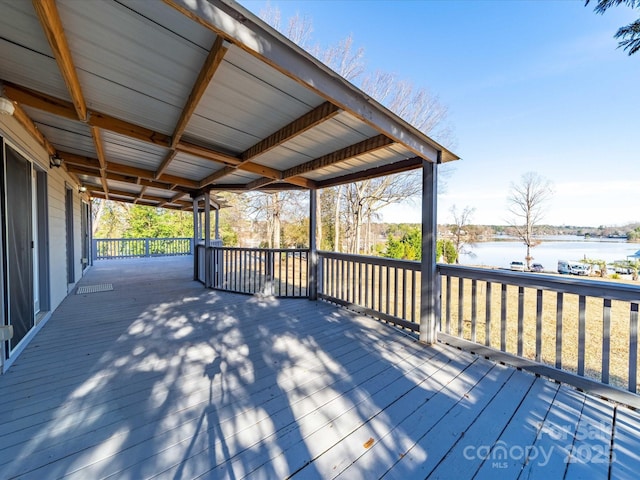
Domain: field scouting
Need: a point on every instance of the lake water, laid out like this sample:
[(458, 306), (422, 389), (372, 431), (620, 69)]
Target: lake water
[(501, 253)]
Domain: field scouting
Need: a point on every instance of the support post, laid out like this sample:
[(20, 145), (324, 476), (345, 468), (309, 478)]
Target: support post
[(207, 241), (313, 248), (217, 234), (429, 291), (196, 238)]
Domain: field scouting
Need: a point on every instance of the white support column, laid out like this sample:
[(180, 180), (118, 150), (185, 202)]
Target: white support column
[(313, 248), (207, 242), (429, 292)]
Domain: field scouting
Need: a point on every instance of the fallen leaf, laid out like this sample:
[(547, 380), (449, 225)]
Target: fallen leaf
[(368, 443)]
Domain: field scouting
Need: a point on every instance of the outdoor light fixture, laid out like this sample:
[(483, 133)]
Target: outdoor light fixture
[(6, 106), (55, 160), (82, 189)]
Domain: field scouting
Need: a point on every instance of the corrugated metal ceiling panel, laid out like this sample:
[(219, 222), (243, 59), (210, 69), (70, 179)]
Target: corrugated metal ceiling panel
[(128, 151), (171, 19), (384, 156), (130, 67), (156, 192), (124, 186), (191, 167), (25, 56), (239, 176), (64, 134), (240, 107), (326, 138)]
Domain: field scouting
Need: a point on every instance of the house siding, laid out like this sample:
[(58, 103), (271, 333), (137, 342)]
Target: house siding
[(57, 181)]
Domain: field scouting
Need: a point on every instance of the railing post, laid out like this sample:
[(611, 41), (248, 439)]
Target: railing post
[(195, 237), (207, 241), (313, 248), (429, 316), (94, 249), (146, 248)]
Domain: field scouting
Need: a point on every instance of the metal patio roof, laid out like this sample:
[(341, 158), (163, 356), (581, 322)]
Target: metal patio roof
[(155, 101)]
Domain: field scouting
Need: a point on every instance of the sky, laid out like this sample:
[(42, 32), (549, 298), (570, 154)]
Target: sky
[(530, 86)]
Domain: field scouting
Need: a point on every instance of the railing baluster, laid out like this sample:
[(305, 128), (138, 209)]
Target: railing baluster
[(559, 306), (539, 304), (633, 348), (353, 281), (606, 339), (520, 319), (359, 283), (414, 295), (487, 315), (503, 318), (388, 295), (474, 293), (448, 322), (380, 288), (582, 302), (404, 293), (366, 285), (460, 306), (342, 277), (395, 291)]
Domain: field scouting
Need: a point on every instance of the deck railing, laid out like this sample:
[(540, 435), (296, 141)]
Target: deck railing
[(585, 328), (278, 272), (382, 287), (108, 248)]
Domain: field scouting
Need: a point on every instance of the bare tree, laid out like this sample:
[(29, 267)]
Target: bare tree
[(418, 106), (273, 209), (363, 200), (461, 230), (527, 200)]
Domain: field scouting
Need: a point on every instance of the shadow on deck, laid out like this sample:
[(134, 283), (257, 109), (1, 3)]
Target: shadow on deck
[(161, 378)]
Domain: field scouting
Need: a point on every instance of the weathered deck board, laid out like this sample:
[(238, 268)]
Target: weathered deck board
[(161, 378)]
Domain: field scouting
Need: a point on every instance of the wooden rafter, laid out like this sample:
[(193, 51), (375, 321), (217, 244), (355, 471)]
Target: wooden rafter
[(224, 171), (127, 129), (98, 144), (207, 153), (63, 108), (142, 195), (367, 146), (390, 169), (52, 26), (300, 125), (165, 163), (259, 182), (211, 64), (127, 174), (173, 199), (155, 202), (23, 119), (242, 187), (81, 161)]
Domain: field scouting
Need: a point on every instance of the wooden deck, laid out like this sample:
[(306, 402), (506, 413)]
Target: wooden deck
[(161, 378)]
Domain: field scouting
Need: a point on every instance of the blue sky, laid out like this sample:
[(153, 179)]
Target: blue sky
[(530, 86)]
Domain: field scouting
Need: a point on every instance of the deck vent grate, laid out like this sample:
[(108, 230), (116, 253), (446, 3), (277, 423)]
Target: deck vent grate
[(103, 287)]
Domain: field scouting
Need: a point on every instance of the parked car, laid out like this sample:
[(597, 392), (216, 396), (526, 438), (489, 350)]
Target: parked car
[(517, 266), (537, 267), (581, 269)]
